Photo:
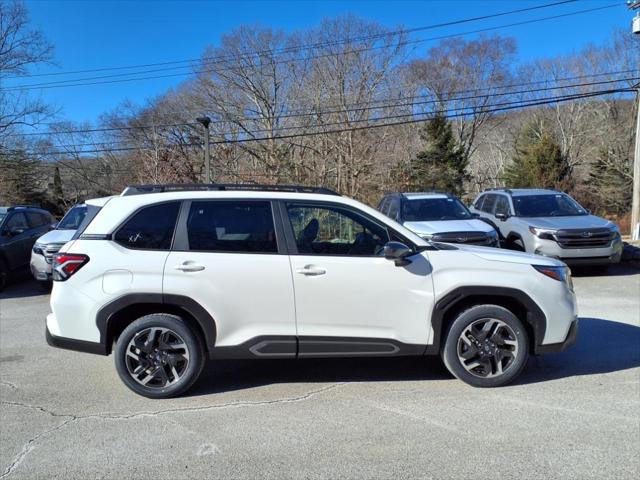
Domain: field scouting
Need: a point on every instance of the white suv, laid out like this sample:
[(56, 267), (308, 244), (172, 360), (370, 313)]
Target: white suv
[(438, 216), (550, 223), (168, 276)]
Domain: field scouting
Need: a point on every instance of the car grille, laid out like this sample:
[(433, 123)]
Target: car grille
[(585, 238), (467, 238)]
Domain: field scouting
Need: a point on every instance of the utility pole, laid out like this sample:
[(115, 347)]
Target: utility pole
[(635, 199), (206, 121)]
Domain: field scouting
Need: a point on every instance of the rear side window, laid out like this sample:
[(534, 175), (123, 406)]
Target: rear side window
[(489, 203), (384, 204), (37, 219), (231, 226), (151, 228), (479, 201)]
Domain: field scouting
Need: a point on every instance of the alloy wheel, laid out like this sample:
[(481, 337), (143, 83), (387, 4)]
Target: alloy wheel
[(487, 348), (157, 357)]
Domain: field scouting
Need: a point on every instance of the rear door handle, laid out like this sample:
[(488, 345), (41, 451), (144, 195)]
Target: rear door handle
[(189, 267), (311, 271)]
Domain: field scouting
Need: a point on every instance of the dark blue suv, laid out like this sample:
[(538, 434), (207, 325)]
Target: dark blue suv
[(20, 227)]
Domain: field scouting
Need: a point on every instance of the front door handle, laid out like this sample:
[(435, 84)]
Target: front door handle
[(311, 271), (189, 267)]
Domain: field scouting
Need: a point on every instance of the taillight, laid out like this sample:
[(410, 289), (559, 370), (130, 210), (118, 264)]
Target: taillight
[(66, 264)]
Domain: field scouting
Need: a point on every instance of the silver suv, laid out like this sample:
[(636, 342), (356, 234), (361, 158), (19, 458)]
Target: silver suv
[(438, 217), (550, 223)]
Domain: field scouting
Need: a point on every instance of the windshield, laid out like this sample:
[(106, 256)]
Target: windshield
[(559, 205), (73, 218), (431, 209)]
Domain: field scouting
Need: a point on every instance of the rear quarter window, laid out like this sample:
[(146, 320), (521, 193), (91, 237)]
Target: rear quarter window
[(151, 228)]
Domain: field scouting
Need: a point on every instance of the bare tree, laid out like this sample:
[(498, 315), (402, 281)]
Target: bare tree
[(20, 48)]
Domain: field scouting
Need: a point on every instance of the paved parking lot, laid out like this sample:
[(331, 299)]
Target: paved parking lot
[(575, 414)]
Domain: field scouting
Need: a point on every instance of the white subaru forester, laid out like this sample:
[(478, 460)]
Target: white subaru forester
[(167, 276)]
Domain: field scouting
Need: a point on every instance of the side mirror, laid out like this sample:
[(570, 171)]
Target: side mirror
[(15, 231), (501, 216), (398, 252)]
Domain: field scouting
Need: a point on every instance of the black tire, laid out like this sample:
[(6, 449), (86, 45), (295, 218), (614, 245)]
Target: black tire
[(4, 274), (504, 326), (515, 243), (167, 346)]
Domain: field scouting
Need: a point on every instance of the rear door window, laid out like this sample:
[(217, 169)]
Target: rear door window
[(151, 228), (231, 226)]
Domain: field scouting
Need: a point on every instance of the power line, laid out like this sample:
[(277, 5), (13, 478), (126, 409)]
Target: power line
[(303, 47), (81, 82), (370, 105), (487, 109)]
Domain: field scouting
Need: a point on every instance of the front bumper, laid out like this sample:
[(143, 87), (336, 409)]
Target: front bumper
[(74, 344), (579, 256), (40, 268), (572, 336)]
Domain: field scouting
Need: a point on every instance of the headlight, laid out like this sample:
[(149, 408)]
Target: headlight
[(37, 248), (561, 274), (544, 233)]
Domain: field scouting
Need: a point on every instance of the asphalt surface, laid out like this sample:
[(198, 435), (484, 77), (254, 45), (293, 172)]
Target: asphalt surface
[(574, 414)]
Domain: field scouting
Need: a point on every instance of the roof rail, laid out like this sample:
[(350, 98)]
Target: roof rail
[(498, 189), (23, 206), (437, 192), (254, 187)]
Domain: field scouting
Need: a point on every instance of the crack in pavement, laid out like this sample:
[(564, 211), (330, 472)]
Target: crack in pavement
[(70, 418)]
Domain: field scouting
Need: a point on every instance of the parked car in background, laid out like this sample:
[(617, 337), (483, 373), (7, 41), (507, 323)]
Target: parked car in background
[(168, 276), (550, 223), (20, 226), (48, 245), (439, 217)]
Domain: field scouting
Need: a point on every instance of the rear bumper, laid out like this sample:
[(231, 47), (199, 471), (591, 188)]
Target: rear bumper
[(572, 336), (76, 345)]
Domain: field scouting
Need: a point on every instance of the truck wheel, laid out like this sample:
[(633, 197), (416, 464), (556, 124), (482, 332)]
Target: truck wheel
[(486, 346), (159, 356)]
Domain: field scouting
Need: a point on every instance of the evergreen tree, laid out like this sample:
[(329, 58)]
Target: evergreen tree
[(538, 161), (442, 165), (21, 179)]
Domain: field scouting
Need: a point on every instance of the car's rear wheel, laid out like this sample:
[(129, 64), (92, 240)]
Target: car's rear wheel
[(159, 356), (486, 346)]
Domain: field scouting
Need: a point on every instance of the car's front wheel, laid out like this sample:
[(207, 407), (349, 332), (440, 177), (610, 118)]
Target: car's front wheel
[(159, 356), (486, 346)]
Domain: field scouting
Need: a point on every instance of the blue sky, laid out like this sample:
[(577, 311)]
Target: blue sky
[(95, 34)]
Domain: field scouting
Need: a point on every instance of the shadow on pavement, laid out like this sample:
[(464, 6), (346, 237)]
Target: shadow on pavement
[(603, 346), (228, 375), (616, 270), (23, 289)]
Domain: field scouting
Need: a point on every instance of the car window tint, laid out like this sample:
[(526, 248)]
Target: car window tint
[(478, 204), (384, 205), (231, 226), (502, 205), (18, 220), (36, 219), (394, 207), (329, 230), (151, 228), (489, 202)]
